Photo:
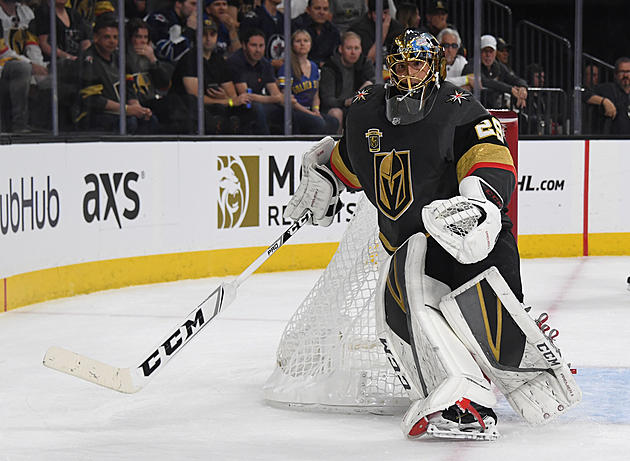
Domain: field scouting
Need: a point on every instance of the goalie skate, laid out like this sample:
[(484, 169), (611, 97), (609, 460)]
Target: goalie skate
[(463, 421)]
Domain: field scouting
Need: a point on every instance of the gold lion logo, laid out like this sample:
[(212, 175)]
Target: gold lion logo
[(233, 192)]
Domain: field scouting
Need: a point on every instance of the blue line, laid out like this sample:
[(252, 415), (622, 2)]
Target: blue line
[(605, 396)]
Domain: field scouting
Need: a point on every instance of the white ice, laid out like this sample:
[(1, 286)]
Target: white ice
[(207, 403)]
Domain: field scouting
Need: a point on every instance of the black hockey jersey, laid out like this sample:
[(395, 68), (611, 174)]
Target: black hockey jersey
[(100, 81), (405, 167)]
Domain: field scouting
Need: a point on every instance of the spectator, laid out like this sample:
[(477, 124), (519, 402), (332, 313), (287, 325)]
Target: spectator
[(227, 41), (100, 82), (591, 76), (220, 98), (173, 30), (253, 73), (408, 15), (239, 8), (365, 28), (455, 62), (20, 60), (90, 9), (150, 76), (267, 18), (536, 120), (324, 34), (297, 7), (496, 79), (436, 18), (536, 75), (73, 38), (307, 119), (342, 75), (73, 33), (593, 118), (503, 53), (345, 12), (614, 97), (135, 9)]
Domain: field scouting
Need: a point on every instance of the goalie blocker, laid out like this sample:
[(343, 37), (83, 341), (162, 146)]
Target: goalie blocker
[(319, 188)]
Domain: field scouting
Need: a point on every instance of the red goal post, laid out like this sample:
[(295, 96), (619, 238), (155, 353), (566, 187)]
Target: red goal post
[(509, 121)]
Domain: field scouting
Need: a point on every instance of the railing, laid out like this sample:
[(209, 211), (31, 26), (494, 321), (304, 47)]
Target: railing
[(546, 112), (535, 44), (606, 70), (497, 20)]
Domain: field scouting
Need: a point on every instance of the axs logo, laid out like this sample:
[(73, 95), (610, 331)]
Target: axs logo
[(105, 190)]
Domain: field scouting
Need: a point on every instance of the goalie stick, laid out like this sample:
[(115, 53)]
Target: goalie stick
[(131, 380)]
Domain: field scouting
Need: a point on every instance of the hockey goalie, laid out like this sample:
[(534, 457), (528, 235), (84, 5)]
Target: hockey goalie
[(449, 312)]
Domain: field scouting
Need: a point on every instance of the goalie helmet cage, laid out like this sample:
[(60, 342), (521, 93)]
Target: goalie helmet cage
[(329, 357)]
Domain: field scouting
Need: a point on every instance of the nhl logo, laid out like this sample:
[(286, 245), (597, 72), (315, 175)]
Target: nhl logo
[(374, 136)]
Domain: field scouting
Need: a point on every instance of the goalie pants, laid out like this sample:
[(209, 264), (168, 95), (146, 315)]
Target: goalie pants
[(440, 265), (504, 256)]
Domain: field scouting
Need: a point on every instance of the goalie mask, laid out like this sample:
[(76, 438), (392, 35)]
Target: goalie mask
[(416, 66)]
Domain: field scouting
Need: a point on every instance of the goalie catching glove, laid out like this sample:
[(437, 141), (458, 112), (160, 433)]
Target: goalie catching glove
[(319, 188), (468, 225)]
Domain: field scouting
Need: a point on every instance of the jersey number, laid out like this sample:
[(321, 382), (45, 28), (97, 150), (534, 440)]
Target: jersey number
[(490, 127)]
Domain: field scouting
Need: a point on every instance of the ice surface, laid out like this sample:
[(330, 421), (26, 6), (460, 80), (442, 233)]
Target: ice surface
[(207, 403)]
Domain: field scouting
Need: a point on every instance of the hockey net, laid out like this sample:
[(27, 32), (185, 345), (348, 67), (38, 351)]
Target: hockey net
[(329, 357)]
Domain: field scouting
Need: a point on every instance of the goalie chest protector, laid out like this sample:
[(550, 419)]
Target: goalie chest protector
[(402, 168)]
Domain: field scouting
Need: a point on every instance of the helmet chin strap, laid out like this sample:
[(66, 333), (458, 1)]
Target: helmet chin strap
[(403, 109), (409, 93)]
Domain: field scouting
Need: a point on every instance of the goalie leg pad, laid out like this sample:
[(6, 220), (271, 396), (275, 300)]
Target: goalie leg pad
[(510, 348), (431, 362)]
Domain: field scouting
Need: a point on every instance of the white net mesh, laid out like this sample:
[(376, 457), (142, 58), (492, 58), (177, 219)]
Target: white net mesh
[(329, 356)]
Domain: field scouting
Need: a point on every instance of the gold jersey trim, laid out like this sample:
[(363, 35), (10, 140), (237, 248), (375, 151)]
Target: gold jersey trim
[(91, 90), (481, 155), (341, 170)]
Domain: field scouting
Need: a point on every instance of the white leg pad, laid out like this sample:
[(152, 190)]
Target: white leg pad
[(542, 385), (463, 377), (436, 368)]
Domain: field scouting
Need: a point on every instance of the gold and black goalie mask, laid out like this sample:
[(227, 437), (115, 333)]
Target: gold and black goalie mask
[(417, 67), (414, 61)]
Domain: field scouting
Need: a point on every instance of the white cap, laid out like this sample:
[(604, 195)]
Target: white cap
[(488, 41)]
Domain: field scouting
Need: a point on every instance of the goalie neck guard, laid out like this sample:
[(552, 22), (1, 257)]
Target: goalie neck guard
[(416, 65)]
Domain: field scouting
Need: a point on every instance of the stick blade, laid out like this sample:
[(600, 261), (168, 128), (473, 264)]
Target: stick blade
[(118, 379)]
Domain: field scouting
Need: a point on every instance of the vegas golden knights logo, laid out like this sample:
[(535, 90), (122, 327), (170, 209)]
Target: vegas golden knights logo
[(392, 173), (141, 83), (373, 136)]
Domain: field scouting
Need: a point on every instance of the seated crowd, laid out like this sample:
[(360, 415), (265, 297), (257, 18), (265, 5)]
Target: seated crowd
[(242, 59)]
